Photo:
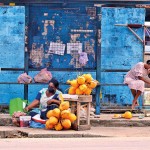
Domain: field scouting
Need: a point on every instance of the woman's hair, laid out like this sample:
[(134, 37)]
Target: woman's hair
[(148, 62), (55, 82)]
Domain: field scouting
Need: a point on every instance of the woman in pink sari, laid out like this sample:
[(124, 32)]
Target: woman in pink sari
[(135, 79)]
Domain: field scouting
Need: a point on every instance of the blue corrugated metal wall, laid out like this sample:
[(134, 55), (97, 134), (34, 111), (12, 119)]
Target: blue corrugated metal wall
[(11, 51), (71, 23), (120, 50)]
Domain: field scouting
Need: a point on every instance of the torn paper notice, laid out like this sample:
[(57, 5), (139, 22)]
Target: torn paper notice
[(57, 48), (73, 48)]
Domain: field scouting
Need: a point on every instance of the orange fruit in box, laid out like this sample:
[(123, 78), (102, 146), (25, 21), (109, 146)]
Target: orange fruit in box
[(83, 87), (81, 80), (73, 83), (79, 92), (72, 90)]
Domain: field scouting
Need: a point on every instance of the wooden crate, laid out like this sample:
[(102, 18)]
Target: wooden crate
[(75, 104)]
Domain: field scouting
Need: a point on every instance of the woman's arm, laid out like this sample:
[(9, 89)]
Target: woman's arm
[(53, 101), (146, 80), (32, 105)]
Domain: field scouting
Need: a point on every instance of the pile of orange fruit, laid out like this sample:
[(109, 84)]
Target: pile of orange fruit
[(82, 85), (60, 118)]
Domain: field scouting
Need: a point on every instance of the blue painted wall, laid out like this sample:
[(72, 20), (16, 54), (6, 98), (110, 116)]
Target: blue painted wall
[(11, 51), (12, 36), (120, 50), (62, 76)]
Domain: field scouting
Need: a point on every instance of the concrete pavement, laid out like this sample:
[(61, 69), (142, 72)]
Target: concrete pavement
[(104, 126), (17, 132)]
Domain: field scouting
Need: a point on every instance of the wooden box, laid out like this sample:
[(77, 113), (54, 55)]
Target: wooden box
[(75, 105)]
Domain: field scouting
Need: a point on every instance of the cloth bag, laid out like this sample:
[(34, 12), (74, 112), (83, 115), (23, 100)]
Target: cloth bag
[(43, 76), (24, 78), (83, 58), (17, 104)]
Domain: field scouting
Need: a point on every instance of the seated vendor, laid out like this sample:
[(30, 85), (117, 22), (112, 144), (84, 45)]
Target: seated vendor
[(48, 100), (55, 84)]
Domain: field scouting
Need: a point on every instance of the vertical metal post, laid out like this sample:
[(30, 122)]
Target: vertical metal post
[(141, 106), (98, 67), (26, 48)]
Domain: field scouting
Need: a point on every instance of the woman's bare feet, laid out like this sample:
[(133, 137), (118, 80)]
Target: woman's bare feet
[(134, 103), (132, 107)]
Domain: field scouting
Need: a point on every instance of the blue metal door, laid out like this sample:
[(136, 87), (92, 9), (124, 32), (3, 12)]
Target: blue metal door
[(120, 50)]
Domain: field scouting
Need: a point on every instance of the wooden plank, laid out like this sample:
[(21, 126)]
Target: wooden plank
[(78, 113), (85, 98), (88, 113)]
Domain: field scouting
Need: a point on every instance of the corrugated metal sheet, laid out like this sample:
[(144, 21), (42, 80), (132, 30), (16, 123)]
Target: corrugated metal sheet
[(11, 51), (80, 23), (12, 36), (120, 50)]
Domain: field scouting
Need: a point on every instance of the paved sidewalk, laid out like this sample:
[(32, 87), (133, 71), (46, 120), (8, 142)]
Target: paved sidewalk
[(17, 132), (105, 120), (104, 126)]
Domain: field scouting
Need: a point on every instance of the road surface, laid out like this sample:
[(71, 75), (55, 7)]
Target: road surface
[(112, 143)]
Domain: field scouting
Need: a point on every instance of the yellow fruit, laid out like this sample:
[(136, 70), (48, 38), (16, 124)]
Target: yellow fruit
[(88, 77), (58, 126), (83, 87), (72, 90), (81, 80), (123, 115), (79, 92), (48, 125), (88, 91), (49, 114), (53, 120), (128, 115), (64, 105), (66, 123), (56, 112), (72, 117), (92, 84), (73, 83), (65, 114), (117, 116)]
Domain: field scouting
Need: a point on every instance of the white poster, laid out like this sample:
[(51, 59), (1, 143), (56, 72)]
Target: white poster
[(74, 48), (57, 48)]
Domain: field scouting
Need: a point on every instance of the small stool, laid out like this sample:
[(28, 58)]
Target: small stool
[(75, 108)]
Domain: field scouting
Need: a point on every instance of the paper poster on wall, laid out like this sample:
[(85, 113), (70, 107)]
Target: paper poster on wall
[(74, 48), (57, 48)]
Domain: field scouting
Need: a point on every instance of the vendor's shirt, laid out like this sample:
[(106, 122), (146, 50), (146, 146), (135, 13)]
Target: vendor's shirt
[(41, 96)]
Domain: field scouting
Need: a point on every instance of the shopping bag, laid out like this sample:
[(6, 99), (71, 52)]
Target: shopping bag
[(43, 76), (24, 78), (17, 104)]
